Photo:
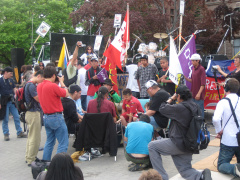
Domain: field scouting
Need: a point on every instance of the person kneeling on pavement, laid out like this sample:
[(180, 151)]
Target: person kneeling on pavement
[(174, 145), (137, 136), (226, 129)]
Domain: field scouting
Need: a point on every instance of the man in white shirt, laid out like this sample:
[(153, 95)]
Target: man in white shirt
[(226, 129), (81, 82), (132, 82)]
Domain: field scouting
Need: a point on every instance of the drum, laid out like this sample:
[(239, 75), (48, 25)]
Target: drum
[(152, 47)]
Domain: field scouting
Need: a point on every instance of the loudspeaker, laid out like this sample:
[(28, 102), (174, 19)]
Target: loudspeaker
[(17, 57)]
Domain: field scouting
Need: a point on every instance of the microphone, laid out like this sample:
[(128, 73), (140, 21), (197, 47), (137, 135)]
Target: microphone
[(203, 30)]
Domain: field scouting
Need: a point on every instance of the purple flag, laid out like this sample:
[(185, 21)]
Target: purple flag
[(102, 75), (184, 58)]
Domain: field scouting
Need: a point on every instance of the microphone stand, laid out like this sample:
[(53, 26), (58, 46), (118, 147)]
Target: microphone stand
[(215, 77)]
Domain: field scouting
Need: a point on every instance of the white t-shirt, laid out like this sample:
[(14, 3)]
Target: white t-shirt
[(221, 116), (81, 78), (132, 82), (84, 57)]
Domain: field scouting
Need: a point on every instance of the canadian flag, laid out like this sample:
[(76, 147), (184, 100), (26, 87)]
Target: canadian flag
[(117, 50)]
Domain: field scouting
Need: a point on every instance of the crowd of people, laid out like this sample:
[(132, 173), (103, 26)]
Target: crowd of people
[(60, 103)]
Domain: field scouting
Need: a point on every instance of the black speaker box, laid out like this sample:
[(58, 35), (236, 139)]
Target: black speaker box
[(17, 58)]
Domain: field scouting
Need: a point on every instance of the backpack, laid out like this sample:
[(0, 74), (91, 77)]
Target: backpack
[(20, 101), (197, 136)]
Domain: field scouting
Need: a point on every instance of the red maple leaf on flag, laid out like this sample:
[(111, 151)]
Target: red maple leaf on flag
[(232, 67)]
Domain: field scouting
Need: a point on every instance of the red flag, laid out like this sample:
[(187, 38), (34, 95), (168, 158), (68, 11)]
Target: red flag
[(113, 75), (118, 48)]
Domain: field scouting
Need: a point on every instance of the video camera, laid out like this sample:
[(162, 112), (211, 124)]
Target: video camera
[(58, 73), (214, 68)]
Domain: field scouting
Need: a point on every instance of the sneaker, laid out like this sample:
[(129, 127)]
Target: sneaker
[(6, 137), (22, 135), (131, 165), (138, 167), (95, 153), (237, 169), (206, 175), (85, 157)]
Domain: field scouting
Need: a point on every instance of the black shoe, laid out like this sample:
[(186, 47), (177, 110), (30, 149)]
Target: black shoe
[(6, 137), (206, 175), (29, 165), (138, 167)]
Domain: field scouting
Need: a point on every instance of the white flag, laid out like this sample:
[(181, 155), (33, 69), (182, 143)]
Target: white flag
[(174, 64)]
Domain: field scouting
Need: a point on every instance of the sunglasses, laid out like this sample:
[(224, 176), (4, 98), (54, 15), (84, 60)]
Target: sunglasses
[(40, 65)]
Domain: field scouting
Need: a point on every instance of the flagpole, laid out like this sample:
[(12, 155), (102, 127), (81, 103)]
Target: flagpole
[(180, 32), (127, 32), (64, 41), (107, 44), (187, 42)]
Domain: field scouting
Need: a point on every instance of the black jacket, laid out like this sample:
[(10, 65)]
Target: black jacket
[(180, 120), (70, 114), (89, 74), (97, 130)]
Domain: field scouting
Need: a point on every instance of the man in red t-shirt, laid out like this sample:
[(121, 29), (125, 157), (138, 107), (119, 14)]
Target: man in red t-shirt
[(131, 106), (49, 94), (92, 80), (198, 81)]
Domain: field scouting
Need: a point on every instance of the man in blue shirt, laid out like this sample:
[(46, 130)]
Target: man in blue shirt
[(7, 104), (137, 136)]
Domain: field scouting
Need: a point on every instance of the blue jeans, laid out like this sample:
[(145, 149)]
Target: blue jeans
[(89, 98), (84, 102), (154, 124), (201, 105), (225, 156), (55, 127), (11, 108)]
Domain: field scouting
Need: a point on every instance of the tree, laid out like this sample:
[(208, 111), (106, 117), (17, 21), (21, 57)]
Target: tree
[(151, 16), (16, 17)]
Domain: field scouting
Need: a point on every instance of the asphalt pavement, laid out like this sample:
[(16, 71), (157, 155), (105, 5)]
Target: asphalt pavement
[(13, 166)]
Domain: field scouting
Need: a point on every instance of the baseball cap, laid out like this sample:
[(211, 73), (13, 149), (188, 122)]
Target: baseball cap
[(74, 88), (150, 83), (196, 57), (7, 69), (144, 56), (182, 89), (94, 59)]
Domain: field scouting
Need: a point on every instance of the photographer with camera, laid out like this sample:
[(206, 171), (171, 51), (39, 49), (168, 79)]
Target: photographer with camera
[(49, 94), (33, 116), (7, 104), (233, 74), (225, 120)]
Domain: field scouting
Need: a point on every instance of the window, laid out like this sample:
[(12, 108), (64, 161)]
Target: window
[(236, 46)]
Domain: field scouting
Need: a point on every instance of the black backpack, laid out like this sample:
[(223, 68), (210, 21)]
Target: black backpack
[(197, 136)]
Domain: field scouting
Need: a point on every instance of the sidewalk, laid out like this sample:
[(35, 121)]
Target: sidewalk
[(12, 156)]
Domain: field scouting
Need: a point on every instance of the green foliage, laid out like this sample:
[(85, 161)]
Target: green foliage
[(16, 17)]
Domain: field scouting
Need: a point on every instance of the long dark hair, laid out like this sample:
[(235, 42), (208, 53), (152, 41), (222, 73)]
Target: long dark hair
[(62, 168), (86, 51), (101, 94)]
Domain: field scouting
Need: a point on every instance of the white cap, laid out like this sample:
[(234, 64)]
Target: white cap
[(70, 57), (94, 59), (150, 83), (196, 57)]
